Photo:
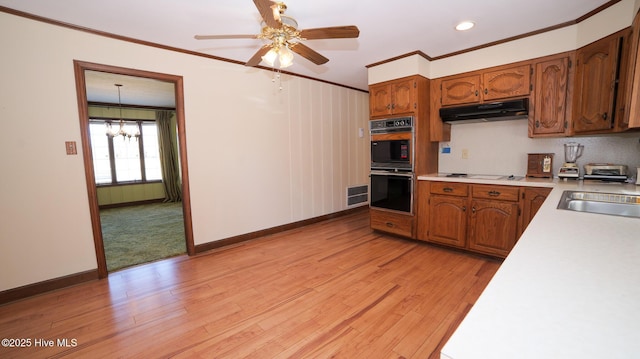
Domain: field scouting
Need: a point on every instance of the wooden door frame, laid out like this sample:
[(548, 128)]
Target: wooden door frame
[(83, 109)]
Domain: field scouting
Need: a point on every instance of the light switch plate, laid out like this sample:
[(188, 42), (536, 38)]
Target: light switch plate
[(71, 147)]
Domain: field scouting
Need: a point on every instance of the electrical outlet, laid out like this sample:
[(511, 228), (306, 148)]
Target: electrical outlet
[(465, 153)]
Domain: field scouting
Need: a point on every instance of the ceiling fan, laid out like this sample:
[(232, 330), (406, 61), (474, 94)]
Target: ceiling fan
[(282, 36)]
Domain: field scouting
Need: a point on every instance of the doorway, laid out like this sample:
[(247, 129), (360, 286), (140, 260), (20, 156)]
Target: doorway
[(81, 70)]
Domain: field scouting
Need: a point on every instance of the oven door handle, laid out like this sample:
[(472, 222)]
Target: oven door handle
[(397, 174)]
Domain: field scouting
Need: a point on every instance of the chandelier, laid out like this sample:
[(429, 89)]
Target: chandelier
[(122, 130)]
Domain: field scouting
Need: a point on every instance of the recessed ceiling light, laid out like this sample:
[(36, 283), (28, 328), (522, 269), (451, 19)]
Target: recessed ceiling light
[(465, 25)]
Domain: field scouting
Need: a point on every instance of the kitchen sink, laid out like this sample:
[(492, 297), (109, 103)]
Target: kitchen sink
[(615, 204)]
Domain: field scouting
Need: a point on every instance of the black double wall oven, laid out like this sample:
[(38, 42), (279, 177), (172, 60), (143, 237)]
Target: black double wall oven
[(392, 168)]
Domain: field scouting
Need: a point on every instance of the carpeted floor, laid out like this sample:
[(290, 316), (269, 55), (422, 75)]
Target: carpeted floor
[(140, 234)]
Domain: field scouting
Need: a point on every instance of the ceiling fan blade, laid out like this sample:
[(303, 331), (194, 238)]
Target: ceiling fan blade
[(269, 14), (216, 37), (336, 32), (309, 54), (257, 57)]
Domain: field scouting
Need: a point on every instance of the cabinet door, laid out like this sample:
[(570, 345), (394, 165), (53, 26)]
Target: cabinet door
[(505, 83), (533, 199), (632, 99), (402, 96), (595, 84), (493, 227), (448, 220), (550, 107), (460, 90), (379, 100)]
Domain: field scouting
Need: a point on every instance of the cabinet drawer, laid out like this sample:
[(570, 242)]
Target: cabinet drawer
[(392, 222), (450, 188), (501, 193)]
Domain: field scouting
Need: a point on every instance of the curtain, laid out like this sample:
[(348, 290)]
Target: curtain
[(168, 157)]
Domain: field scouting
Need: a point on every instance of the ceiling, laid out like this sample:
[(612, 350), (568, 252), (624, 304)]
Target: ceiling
[(387, 28), (138, 91)]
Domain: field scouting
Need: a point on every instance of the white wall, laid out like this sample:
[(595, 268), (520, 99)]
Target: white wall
[(257, 157), (502, 148)]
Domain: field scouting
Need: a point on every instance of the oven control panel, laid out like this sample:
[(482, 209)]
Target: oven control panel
[(400, 124)]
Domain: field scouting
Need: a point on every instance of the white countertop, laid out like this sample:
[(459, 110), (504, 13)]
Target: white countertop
[(570, 288), (491, 179)]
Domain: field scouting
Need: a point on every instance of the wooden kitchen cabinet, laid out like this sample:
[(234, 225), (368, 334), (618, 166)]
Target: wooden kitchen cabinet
[(448, 218), (486, 85), (460, 90), (532, 198), (550, 104), (493, 225), (476, 217), (596, 84), (506, 83), (448, 213), (392, 222), (393, 97), (631, 117)]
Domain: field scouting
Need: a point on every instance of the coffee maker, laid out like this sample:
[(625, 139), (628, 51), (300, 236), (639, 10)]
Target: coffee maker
[(569, 169)]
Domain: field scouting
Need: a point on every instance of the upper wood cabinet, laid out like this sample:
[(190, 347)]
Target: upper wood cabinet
[(393, 97), (550, 104), (505, 83), (631, 117), (460, 90), (486, 85), (596, 85)]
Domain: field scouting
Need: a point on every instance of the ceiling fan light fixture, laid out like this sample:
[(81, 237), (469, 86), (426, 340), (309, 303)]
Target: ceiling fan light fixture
[(270, 57), (465, 25), (285, 57)]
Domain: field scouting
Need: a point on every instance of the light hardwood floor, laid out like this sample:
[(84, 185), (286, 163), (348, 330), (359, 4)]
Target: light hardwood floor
[(332, 289)]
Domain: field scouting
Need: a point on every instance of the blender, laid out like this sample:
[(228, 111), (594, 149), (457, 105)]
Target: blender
[(570, 169)]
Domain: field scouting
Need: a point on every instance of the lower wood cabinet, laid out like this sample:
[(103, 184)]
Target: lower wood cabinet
[(493, 227), (392, 222), (448, 218), (447, 213), (480, 218), (532, 200)]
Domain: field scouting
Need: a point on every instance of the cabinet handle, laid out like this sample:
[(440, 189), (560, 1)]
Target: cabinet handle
[(389, 224), (604, 116), (473, 209), (389, 107), (393, 106), (494, 193), (476, 93), (464, 208), (447, 189), (486, 91), (537, 124)]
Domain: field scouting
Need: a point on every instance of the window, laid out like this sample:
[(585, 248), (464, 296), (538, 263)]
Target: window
[(125, 160)]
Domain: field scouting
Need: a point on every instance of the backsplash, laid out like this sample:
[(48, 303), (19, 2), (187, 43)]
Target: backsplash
[(502, 148)]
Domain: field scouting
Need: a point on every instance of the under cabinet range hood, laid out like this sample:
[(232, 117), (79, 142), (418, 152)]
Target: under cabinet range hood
[(485, 112)]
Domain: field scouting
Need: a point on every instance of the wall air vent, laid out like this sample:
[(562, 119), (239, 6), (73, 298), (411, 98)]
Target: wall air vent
[(357, 195)]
